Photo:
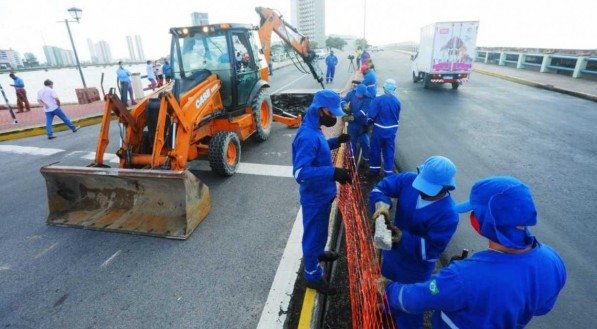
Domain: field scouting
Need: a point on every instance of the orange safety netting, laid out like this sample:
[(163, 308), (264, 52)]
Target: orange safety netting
[(363, 262)]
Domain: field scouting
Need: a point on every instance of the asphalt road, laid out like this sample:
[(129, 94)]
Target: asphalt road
[(495, 127), (52, 277)]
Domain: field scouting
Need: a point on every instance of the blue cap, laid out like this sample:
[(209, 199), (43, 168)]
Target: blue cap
[(435, 173), (328, 99), (389, 86), (504, 208), (361, 90)]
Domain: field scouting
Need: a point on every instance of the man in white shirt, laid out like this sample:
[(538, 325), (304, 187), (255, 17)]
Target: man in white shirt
[(151, 75), (49, 99)]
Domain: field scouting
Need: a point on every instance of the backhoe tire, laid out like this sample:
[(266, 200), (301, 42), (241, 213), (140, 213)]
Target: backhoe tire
[(224, 153), (264, 114)]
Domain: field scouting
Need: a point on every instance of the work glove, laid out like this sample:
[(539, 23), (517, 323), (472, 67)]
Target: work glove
[(462, 256), (382, 282), (343, 138), (396, 233), (348, 118), (346, 108), (342, 176), (382, 208)]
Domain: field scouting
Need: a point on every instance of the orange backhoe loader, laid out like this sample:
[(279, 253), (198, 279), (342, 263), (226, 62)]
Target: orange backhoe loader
[(217, 100)]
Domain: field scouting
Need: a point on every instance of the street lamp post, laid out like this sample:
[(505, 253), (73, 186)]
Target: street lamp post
[(76, 13)]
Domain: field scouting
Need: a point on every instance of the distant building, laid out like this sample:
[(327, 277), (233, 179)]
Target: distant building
[(92, 52), (58, 57), (10, 58), (140, 52), (200, 18), (131, 48), (308, 16), (104, 55)]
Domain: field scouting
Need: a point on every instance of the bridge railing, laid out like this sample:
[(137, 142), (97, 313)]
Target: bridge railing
[(574, 65)]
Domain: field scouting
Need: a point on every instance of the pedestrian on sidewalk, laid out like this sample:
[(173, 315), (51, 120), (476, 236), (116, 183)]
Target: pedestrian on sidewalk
[(22, 101), (384, 115), (330, 61), (151, 75), (505, 286), (124, 80), (49, 99), (424, 222), (168, 73), (313, 169)]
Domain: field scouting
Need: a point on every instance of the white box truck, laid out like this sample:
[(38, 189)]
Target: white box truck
[(446, 53)]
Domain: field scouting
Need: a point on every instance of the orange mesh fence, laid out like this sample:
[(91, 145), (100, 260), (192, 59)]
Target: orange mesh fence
[(363, 262)]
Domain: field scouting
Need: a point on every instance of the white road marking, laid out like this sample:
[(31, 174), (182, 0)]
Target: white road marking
[(243, 167), (45, 251), (109, 260), (274, 311), (5, 267), (16, 149), (291, 82)]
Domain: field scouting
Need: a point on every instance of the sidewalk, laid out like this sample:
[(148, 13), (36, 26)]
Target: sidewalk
[(583, 88)]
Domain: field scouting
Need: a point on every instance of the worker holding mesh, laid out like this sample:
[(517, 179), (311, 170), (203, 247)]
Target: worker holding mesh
[(313, 169), (504, 286), (423, 224)]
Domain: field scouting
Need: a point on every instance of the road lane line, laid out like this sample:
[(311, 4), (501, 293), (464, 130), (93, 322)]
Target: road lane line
[(45, 251), (109, 260), (5, 267), (278, 299), (249, 169), (110, 157), (16, 149), (291, 82)]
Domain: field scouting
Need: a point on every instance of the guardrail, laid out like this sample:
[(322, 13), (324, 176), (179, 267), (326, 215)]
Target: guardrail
[(574, 65)]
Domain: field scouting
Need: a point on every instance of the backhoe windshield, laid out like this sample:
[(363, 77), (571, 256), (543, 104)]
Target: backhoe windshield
[(202, 52)]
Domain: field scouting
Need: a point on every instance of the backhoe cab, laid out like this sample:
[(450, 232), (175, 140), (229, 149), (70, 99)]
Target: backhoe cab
[(217, 100)]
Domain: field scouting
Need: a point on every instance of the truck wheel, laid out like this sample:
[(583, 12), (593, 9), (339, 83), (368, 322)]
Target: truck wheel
[(415, 78), (264, 114), (224, 153), (427, 80), (455, 85)]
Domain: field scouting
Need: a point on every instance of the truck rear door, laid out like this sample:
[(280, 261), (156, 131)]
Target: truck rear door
[(454, 46)]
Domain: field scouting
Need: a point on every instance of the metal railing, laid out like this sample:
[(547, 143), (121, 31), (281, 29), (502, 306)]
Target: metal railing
[(576, 65)]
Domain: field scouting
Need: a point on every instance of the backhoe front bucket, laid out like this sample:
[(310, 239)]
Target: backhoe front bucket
[(160, 203)]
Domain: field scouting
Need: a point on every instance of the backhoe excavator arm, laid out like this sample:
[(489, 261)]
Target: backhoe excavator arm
[(271, 21)]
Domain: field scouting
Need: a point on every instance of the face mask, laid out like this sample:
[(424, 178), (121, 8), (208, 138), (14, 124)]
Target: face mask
[(328, 121), (475, 223)]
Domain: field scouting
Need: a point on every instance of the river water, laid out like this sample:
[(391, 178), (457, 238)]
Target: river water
[(66, 81)]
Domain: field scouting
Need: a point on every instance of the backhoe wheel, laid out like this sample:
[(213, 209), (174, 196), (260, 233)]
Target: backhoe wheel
[(264, 114), (224, 153)]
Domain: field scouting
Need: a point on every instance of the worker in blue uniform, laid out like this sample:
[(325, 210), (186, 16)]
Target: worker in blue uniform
[(313, 169), (369, 79), (330, 61), (423, 224), (357, 103), (384, 114), (504, 286)]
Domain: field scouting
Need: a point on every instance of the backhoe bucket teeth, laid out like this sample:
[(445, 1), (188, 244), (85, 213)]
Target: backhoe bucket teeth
[(159, 203)]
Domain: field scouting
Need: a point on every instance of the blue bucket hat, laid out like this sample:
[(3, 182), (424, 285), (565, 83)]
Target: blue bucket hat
[(435, 173), (389, 86), (504, 208), (328, 99), (361, 90)]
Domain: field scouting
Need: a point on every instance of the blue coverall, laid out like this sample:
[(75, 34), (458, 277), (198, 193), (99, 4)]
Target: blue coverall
[(313, 169), (427, 227), (488, 290), (370, 80), (357, 129), (331, 61), (384, 113)]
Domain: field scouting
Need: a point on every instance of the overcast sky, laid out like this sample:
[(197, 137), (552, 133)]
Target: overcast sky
[(27, 25)]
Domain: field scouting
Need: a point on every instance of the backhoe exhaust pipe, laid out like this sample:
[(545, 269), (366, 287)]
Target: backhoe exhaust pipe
[(160, 203)]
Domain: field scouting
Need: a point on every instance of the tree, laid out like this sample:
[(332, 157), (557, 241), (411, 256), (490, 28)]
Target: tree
[(361, 43), (30, 60), (333, 42)]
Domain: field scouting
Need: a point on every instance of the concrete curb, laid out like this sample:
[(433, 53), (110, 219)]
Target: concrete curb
[(41, 130), (538, 85)]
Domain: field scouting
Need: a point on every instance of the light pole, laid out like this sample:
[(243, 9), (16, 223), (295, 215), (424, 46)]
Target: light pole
[(76, 13)]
